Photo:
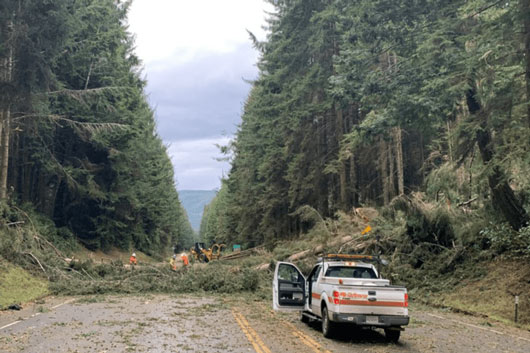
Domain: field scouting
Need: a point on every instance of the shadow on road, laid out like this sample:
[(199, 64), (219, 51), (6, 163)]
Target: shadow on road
[(356, 335)]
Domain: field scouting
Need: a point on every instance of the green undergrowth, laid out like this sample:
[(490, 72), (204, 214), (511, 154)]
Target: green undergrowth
[(19, 286), (472, 263), (31, 246)]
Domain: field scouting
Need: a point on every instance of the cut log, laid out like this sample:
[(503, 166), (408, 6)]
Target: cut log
[(263, 267), (363, 245), (367, 213), (300, 255), (242, 254), (319, 249), (341, 241)]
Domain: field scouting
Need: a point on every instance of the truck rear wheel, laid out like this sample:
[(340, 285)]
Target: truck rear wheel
[(392, 335), (328, 326)]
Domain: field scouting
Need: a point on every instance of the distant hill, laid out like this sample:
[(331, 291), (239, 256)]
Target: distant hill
[(193, 202)]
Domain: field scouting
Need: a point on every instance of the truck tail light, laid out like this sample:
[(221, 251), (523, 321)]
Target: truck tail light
[(406, 300), (336, 295)]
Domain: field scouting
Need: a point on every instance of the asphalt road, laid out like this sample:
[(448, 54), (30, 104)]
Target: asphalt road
[(229, 324)]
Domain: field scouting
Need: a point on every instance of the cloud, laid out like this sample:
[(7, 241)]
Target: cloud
[(196, 54), (166, 27), (202, 98), (195, 163)]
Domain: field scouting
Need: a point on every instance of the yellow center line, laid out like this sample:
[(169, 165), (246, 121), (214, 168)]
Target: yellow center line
[(308, 341), (311, 341), (249, 336), (252, 335)]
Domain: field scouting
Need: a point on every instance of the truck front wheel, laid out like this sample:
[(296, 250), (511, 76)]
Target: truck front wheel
[(392, 335), (328, 326)]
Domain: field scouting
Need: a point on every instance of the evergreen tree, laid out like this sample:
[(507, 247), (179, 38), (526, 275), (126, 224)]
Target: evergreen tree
[(85, 149), (360, 102)]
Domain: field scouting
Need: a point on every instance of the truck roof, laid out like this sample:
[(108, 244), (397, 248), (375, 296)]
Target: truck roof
[(350, 258), (349, 263)]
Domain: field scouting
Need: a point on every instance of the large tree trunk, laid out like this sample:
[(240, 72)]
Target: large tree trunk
[(524, 6), (398, 140), (13, 175), (391, 171), (6, 130), (342, 167), (4, 158), (503, 197), (353, 182), (383, 167)]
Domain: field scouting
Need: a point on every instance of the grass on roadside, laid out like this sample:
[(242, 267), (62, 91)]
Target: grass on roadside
[(18, 286)]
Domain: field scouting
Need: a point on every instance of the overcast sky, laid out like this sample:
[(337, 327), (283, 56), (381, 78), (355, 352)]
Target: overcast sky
[(196, 55)]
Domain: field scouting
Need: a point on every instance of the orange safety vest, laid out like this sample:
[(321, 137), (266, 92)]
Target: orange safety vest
[(185, 260), (132, 260)]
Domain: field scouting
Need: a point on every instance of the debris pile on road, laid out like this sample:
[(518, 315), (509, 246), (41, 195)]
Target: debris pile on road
[(90, 278)]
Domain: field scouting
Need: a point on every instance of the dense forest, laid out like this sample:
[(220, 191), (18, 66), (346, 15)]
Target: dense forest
[(78, 142), (362, 103)]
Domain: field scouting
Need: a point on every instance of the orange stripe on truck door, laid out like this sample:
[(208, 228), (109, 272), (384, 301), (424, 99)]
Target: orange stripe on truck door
[(315, 295)]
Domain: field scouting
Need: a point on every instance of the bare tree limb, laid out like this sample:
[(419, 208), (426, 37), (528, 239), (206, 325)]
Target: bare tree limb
[(36, 260), (467, 202), (14, 223), (86, 273)]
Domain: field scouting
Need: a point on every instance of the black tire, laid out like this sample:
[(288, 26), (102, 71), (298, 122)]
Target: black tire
[(328, 326), (203, 258), (304, 318), (392, 335)]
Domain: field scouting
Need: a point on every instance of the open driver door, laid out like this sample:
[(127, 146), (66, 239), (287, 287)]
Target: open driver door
[(288, 288)]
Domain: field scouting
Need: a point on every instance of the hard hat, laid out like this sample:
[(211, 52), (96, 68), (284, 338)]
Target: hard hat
[(183, 254), (134, 254), (174, 256)]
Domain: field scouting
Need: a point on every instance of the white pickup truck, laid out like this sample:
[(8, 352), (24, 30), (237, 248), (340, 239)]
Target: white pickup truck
[(342, 289)]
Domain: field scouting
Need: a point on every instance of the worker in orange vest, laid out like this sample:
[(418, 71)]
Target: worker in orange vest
[(133, 260), (184, 258), (173, 262)]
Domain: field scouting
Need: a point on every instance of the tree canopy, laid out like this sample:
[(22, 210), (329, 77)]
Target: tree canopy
[(79, 141), (358, 102)]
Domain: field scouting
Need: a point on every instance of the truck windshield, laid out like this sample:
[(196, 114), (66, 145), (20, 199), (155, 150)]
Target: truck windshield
[(350, 272)]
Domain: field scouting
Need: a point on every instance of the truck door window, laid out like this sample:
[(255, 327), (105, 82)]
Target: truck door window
[(290, 286), (315, 275), (289, 273), (350, 272)]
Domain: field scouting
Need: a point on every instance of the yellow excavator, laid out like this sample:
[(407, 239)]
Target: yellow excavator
[(203, 254)]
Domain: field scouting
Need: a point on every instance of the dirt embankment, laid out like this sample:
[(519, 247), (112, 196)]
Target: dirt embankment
[(494, 293)]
